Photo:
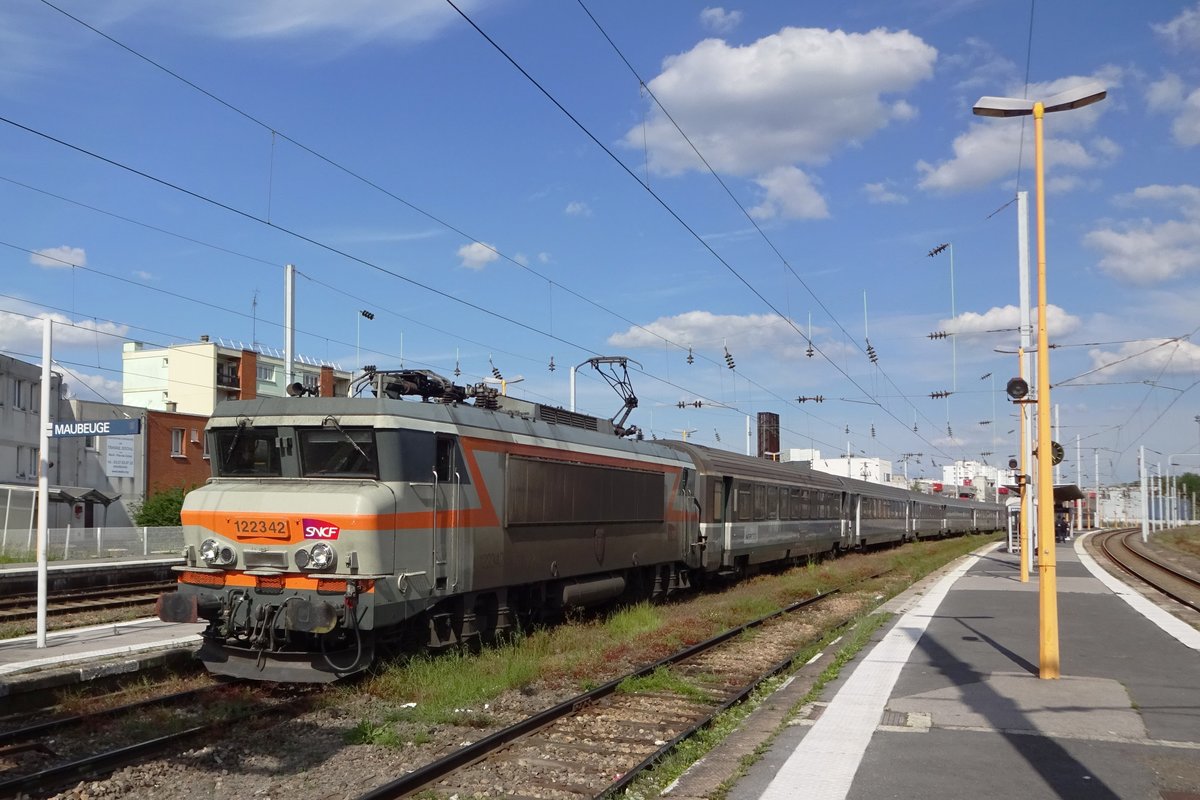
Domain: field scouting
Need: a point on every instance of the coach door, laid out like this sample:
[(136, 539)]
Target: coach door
[(693, 534)]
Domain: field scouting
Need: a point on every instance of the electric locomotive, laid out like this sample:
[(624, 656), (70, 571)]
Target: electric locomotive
[(334, 526)]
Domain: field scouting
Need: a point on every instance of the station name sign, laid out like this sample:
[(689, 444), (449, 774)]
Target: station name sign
[(107, 427)]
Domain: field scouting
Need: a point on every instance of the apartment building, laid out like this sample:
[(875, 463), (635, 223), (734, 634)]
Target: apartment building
[(193, 378)]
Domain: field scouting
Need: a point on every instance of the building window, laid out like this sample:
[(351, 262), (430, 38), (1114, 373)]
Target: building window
[(176, 441), (18, 393), (35, 396), (204, 439), (89, 443), (311, 380), (266, 372), (27, 462)]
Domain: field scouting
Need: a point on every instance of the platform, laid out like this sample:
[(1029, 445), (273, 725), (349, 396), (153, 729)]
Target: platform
[(81, 654), (946, 702)]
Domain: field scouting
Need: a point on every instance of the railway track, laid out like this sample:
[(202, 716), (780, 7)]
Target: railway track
[(597, 743), (24, 606), (1125, 549), (31, 747)]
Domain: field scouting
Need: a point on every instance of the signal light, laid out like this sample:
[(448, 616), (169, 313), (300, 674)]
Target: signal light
[(1017, 389)]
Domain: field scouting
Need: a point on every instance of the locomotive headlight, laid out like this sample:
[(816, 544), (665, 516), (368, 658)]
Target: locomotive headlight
[(302, 558), (321, 556), (210, 551), (215, 554)]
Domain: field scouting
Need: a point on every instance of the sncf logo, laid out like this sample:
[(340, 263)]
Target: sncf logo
[(320, 529)]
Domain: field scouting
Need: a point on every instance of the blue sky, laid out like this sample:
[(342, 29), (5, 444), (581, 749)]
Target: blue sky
[(406, 166)]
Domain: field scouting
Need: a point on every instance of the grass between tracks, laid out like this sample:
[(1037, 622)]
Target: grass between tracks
[(458, 688), (1185, 540)]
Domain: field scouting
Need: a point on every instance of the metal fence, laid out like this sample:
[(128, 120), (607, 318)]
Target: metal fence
[(63, 544)]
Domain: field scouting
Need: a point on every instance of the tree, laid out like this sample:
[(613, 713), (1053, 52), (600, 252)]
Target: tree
[(1189, 482), (161, 509)]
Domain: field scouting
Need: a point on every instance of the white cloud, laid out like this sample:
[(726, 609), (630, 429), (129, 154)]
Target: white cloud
[(903, 111), (882, 193), (1170, 96), (59, 257), (1183, 31), (86, 386), (704, 330), (719, 20), (358, 20), (141, 274), (1008, 318), (477, 255), (1186, 127), (543, 258), (1143, 251), (989, 149), (796, 96), (1166, 94), (789, 194), (1148, 358), (21, 331), (577, 208)]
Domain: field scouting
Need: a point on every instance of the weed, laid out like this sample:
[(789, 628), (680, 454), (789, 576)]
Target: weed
[(367, 732), (664, 680)]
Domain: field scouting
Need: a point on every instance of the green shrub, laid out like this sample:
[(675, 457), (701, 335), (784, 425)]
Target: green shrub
[(161, 509)]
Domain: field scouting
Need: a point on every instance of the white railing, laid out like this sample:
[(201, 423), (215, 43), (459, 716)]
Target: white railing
[(71, 543)]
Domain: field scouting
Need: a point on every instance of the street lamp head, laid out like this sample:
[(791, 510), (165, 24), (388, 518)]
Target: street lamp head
[(1002, 107), (1078, 97)]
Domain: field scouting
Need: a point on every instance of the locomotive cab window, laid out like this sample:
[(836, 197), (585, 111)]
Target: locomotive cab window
[(332, 453), (448, 464), (247, 452)]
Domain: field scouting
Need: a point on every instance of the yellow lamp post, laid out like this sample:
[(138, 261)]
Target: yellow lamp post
[(1087, 94)]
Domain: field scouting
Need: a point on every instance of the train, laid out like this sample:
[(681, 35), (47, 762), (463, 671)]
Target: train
[(422, 513)]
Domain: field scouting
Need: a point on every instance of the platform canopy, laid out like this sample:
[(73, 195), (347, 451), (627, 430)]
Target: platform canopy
[(81, 494), (1067, 491)]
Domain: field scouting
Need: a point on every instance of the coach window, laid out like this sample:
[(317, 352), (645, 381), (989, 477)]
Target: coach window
[(718, 501), (742, 502), (760, 501), (772, 502)]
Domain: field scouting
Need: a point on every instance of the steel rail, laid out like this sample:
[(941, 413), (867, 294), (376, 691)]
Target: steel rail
[(1144, 558), (38, 783), (43, 728), (425, 775)]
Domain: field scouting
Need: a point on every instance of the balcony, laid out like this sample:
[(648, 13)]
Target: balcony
[(227, 378)]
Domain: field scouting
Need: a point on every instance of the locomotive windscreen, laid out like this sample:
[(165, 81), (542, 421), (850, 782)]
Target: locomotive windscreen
[(328, 453), (247, 452)]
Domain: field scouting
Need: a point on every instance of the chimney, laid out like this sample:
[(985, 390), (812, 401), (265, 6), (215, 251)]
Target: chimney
[(204, 337), (248, 375), (325, 386)]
